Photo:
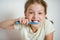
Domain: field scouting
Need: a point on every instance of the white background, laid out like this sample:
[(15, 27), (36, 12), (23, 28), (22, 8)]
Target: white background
[(15, 8)]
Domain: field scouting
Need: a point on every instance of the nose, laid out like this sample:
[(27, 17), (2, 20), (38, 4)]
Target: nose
[(35, 16)]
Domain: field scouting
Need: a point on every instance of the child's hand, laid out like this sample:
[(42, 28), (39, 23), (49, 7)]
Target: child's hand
[(23, 21), (9, 23), (26, 21)]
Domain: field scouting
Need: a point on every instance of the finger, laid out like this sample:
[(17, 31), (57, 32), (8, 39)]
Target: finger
[(26, 21), (23, 21)]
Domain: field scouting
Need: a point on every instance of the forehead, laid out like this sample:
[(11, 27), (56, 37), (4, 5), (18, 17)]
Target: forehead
[(36, 6)]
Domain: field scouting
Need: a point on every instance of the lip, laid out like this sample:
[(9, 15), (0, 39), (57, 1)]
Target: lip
[(34, 20)]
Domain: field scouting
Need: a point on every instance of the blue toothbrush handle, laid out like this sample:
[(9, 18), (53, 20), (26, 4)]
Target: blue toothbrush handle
[(17, 22), (33, 22)]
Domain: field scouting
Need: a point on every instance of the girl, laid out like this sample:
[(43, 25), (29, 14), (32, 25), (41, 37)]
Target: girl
[(35, 10)]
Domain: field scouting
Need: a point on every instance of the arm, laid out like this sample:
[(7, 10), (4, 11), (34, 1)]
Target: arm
[(7, 24), (49, 37)]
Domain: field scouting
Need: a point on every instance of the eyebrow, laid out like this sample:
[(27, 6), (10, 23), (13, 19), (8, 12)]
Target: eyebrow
[(30, 9)]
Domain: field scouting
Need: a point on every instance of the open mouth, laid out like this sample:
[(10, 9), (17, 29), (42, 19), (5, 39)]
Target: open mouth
[(35, 20)]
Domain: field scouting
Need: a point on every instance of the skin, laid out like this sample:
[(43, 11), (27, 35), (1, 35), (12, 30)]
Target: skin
[(49, 37), (34, 12), (7, 24)]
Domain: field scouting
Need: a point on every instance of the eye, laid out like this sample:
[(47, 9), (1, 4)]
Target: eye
[(30, 12), (39, 13)]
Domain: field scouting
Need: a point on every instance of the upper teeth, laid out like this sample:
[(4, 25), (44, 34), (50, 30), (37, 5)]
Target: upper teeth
[(35, 21)]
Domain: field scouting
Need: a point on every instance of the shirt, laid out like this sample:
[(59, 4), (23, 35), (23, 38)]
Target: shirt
[(27, 34)]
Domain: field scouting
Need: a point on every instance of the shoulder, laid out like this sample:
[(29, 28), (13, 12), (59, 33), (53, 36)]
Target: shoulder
[(48, 22), (48, 26)]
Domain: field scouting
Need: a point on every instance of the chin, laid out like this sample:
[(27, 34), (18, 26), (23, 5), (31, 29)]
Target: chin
[(35, 26)]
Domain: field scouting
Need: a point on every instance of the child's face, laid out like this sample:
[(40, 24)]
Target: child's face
[(35, 12)]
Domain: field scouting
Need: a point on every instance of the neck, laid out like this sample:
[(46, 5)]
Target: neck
[(34, 28)]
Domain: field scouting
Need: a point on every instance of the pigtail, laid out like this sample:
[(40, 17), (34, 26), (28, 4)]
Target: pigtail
[(50, 20)]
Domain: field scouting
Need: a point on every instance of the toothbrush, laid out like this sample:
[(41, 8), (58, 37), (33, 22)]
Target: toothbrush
[(35, 22), (17, 22)]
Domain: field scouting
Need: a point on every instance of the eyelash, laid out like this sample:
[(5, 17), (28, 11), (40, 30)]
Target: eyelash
[(32, 13), (39, 13)]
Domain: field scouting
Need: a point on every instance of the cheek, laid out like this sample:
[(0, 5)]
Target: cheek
[(28, 16), (42, 17)]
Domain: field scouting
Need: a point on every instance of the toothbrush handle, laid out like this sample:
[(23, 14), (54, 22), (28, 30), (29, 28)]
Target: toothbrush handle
[(17, 22)]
